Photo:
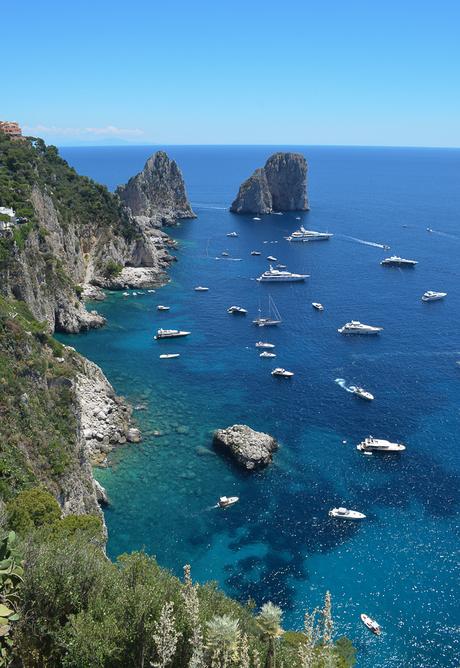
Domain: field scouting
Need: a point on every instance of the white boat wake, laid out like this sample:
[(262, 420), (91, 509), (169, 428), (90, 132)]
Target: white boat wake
[(363, 241), (445, 234), (343, 383)]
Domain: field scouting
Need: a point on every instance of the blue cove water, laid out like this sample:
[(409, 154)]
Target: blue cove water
[(400, 565)]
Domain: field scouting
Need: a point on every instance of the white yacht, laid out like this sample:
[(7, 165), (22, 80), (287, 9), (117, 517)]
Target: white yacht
[(224, 254), (263, 344), (256, 218), (273, 318), (356, 327), (345, 514), (279, 276), (126, 294), (237, 310), (201, 288), (360, 392), (282, 372), (431, 296), (170, 333), (169, 356), (272, 258), (255, 253), (371, 624), (308, 235), (226, 501), (160, 307), (395, 261), (371, 444), (232, 234), (266, 353), (318, 306)]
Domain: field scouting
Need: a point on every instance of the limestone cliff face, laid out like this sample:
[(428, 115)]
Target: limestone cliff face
[(281, 185), (157, 194)]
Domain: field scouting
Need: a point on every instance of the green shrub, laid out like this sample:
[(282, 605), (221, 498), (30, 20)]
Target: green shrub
[(112, 269), (32, 508)]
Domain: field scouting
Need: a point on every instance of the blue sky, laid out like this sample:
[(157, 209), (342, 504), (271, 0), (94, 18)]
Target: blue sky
[(232, 72)]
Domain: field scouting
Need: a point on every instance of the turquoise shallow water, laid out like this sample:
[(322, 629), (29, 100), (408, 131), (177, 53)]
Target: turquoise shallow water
[(401, 564)]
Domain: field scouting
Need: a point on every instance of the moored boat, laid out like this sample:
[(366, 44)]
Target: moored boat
[(201, 288), (279, 276), (226, 501), (308, 235), (169, 356), (356, 327), (371, 624), (272, 258), (431, 296), (396, 261), (232, 234), (371, 444), (237, 310), (266, 353), (263, 344), (170, 333), (279, 371), (160, 307), (255, 252), (318, 306), (273, 318)]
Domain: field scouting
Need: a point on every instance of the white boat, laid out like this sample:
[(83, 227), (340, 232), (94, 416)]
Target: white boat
[(428, 229), (396, 261), (170, 333), (279, 276), (272, 258), (255, 253), (279, 371), (160, 307), (201, 288), (150, 290), (126, 294), (237, 310), (226, 501), (134, 294), (371, 624), (356, 327), (431, 296), (318, 306), (265, 353), (232, 234), (256, 218), (308, 235), (360, 392), (371, 444), (345, 514), (273, 318), (169, 356), (224, 254), (263, 344)]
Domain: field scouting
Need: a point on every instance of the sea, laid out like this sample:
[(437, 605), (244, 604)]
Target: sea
[(400, 565)]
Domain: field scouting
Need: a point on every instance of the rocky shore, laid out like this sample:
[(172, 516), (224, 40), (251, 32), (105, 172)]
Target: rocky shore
[(249, 448)]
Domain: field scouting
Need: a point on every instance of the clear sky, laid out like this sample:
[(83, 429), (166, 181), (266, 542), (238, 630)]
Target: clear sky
[(365, 72)]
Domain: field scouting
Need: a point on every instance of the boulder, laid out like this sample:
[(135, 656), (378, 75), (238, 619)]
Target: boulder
[(251, 449)]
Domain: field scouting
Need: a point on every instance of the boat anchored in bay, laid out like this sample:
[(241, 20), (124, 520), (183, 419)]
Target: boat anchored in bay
[(308, 235), (282, 373), (237, 310), (356, 327), (431, 296), (273, 318), (395, 261), (280, 276), (170, 334), (371, 444)]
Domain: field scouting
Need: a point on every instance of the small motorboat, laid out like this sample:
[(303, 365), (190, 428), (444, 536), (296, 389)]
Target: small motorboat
[(150, 290), (371, 624), (272, 258), (267, 354), (345, 514), (134, 294), (225, 254), (262, 344), (428, 229), (360, 392), (256, 218), (232, 234), (282, 373), (371, 444), (160, 307), (255, 253), (318, 306), (169, 356), (126, 294), (431, 296), (201, 288), (226, 501), (237, 310), (385, 247)]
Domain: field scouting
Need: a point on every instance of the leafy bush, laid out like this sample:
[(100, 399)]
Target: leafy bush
[(32, 508), (112, 269)]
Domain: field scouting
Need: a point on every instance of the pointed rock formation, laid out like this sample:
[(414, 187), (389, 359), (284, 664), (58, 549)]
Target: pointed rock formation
[(157, 194), (279, 186)]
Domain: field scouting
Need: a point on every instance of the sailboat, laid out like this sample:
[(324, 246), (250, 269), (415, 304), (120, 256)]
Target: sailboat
[(273, 318)]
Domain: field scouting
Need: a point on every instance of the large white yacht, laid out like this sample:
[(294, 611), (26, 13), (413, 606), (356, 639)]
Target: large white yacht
[(308, 235), (345, 514), (395, 261), (431, 296), (278, 276), (356, 327), (263, 344), (371, 444), (239, 310), (282, 373), (170, 333)]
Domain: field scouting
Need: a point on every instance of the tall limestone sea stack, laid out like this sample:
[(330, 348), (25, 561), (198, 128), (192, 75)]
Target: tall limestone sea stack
[(157, 196), (279, 186)]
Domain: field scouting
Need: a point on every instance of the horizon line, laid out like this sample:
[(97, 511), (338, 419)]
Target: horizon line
[(127, 145)]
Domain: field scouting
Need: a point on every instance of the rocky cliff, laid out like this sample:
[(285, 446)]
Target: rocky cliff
[(281, 185), (157, 196)]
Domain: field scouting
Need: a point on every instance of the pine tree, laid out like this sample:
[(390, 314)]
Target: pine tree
[(166, 636)]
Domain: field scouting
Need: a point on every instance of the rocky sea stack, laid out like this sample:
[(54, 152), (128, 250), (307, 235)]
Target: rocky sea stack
[(157, 194), (251, 449), (279, 186)]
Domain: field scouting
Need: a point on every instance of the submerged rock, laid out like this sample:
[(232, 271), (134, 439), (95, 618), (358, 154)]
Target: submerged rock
[(251, 449), (279, 186)]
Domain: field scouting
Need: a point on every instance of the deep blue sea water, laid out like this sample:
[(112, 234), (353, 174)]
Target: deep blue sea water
[(400, 565)]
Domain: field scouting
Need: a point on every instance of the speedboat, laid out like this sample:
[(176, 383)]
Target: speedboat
[(431, 296), (273, 318), (255, 253), (278, 276), (150, 290), (160, 307), (318, 306), (282, 372), (126, 294), (267, 354), (224, 254), (237, 310), (262, 344), (359, 392), (428, 229), (226, 501), (356, 327), (256, 218), (345, 514), (272, 258), (385, 247), (201, 288), (396, 261), (308, 235), (371, 624), (232, 234), (169, 356), (170, 333), (134, 294), (371, 444)]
